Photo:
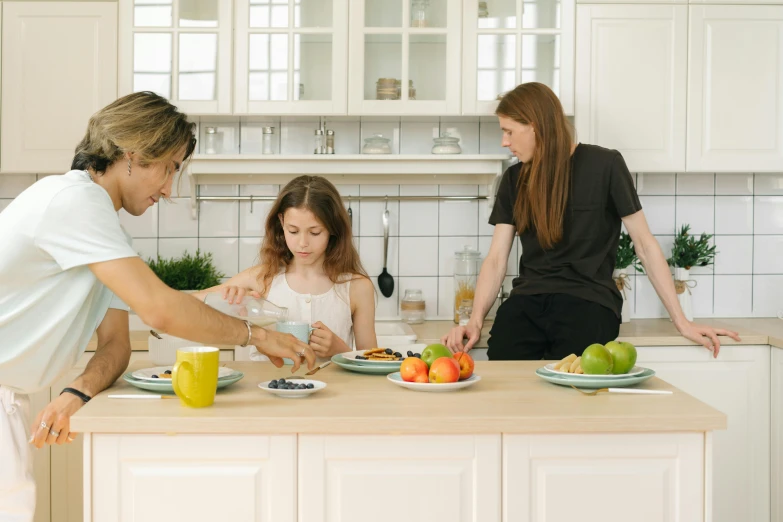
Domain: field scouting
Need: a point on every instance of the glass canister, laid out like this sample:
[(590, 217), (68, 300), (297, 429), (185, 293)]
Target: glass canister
[(267, 135), (210, 140), (412, 307), (466, 269)]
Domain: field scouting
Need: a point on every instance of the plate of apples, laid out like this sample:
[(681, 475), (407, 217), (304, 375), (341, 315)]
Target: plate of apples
[(437, 370)]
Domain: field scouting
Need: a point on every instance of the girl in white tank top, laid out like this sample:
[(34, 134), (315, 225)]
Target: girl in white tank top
[(310, 266)]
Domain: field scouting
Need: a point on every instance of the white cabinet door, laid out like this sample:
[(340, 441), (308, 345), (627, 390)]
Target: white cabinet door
[(735, 89), (291, 59), (738, 384), (631, 72), (179, 49), (59, 67), (508, 42), (241, 478), (404, 57), (604, 477), (345, 478), (777, 434)]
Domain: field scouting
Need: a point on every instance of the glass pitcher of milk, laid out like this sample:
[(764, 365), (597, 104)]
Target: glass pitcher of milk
[(257, 310)]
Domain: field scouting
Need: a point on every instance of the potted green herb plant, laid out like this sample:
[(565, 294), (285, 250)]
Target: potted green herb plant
[(625, 259), (689, 251), (187, 273)]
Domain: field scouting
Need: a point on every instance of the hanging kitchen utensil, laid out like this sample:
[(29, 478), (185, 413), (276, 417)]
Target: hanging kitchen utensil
[(385, 280), (350, 212)]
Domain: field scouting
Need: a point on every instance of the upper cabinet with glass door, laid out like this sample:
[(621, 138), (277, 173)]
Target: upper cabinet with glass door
[(180, 49), (291, 56), (405, 57), (508, 42)]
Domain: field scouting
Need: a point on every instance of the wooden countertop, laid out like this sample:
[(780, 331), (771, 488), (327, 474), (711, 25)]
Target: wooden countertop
[(640, 332), (510, 398)]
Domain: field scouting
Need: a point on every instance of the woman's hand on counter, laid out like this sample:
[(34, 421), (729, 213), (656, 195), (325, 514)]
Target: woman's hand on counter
[(705, 335), (453, 339)]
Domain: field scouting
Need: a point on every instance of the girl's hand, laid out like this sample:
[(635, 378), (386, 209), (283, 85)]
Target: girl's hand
[(235, 294), (324, 342)]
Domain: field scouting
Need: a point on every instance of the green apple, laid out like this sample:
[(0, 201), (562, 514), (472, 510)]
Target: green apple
[(596, 360), (623, 356), (434, 351)]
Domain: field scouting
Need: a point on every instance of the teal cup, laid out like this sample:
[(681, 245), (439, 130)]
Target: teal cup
[(298, 329)]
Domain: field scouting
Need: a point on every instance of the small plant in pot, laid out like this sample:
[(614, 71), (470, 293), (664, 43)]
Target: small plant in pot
[(689, 251), (625, 259), (188, 273)]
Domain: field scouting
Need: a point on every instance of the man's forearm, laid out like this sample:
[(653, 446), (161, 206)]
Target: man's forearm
[(105, 367), (660, 276), (490, 278)]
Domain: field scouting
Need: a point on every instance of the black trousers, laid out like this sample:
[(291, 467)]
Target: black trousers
[(548, 326)]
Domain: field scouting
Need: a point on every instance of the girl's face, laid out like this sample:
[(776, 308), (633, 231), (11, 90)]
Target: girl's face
[(519, 138), (305, 236), (147, 183)]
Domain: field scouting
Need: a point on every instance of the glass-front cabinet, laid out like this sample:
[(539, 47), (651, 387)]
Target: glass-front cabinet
[(405, 57), (291, 56), (180, 49), (508, 42)]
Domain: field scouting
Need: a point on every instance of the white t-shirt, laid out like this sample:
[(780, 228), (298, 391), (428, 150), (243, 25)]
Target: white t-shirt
[(50, 301)]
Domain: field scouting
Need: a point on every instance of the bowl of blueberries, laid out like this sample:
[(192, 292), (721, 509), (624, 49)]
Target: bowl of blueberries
[(292, 388)]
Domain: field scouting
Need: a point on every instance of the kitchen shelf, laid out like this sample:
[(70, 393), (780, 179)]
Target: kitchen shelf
[(365, 169)]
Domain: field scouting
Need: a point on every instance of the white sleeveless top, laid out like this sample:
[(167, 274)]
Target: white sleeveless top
[(332, 308)]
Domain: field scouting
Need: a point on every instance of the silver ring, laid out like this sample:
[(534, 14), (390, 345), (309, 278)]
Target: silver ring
[(43, 425), (300, 354), (55, 433)]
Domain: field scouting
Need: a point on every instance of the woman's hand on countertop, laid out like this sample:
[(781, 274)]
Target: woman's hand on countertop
[(706, 336)]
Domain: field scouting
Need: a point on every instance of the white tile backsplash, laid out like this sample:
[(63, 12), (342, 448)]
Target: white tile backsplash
[(768, 185), (297, 135), (225, 253), (656, 184), (371, 253), (768, 255), (490, 137), (512, 267), (219, 219), (767, 295), (418, 256), (659, 211), (347, 135), (176, 247), (175, 219), (386, 307), (249, 249), (733, 296), (218, 190), (734, 184), (253, 224), (695, 184), (735, 255), (768, 215), (146, 248), (145, 225), (696, 211), (466, 129), (416, 136), (447, 246), (648, 305), (701, 295), (386, 126), (446, 297), (458, 218), (734, 215)]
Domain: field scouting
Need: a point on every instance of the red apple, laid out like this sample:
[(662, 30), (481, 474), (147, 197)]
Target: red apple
[(414, 369), (466, 365), (444, 369)]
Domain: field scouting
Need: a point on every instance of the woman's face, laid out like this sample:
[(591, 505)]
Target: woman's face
[(518, 137), (148, 183), (305, 236)]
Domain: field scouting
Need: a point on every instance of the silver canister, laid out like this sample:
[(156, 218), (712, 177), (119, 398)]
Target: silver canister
[(320, 142), (330, 141)]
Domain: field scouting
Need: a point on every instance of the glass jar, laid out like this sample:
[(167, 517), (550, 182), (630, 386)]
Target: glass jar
[(412, 307), (267, 134), (465, 309), (210, 140), (330, 141), (386, 89), (466, 268), (320, 142), (419, 13), (376, 144), (446, 144)]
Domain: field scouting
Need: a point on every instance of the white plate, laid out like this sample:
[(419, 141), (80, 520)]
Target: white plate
[(147, 373), (401, 349), (294, 394), (433, 387), (636, 370)]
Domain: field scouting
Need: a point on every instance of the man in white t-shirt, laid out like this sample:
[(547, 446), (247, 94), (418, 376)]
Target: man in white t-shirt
[(67, 268)]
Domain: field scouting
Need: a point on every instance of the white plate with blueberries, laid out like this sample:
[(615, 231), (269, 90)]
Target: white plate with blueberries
[(164, 372), (292, 389), (404, 351)]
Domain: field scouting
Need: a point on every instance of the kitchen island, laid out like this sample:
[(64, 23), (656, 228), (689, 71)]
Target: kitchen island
[(511, 448)]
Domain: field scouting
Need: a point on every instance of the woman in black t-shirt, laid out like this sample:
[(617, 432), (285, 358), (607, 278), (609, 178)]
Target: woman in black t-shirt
[(566, 202)]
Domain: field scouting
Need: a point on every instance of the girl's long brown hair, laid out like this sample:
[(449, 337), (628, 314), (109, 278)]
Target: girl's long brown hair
[(545, 181), (320, 197)]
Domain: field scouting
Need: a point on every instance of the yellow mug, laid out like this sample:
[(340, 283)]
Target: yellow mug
[(195, 375)]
